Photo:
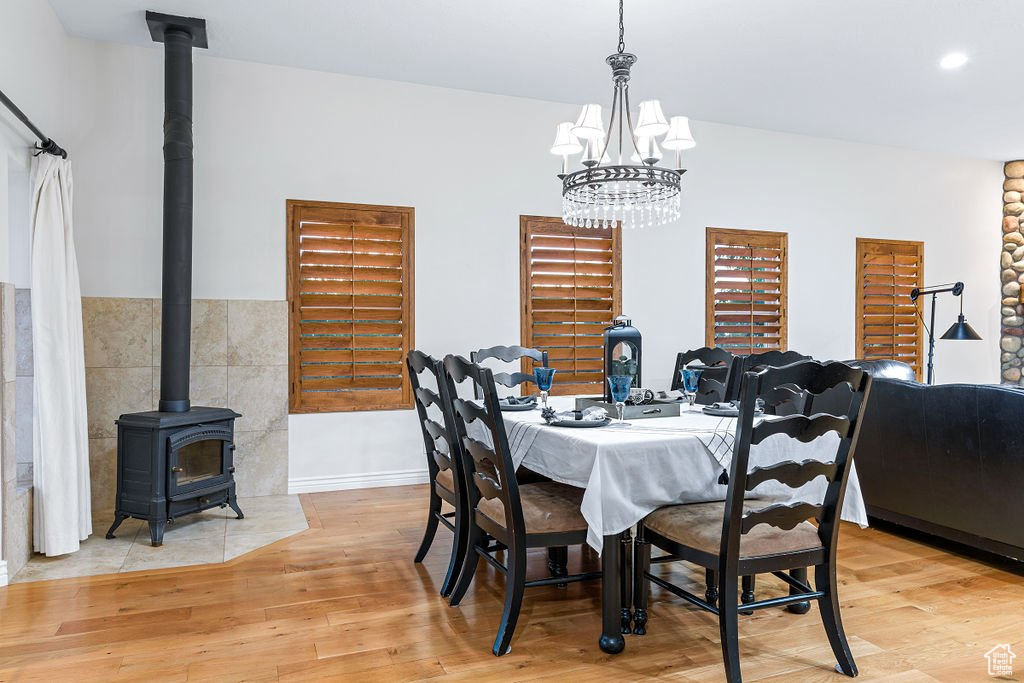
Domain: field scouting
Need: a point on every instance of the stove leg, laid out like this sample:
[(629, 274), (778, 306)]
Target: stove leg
[(156, 532), (233, 503), (113, 527)]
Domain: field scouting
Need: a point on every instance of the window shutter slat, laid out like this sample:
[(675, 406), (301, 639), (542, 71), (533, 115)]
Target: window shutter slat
[(746, 290), (570, 290), (888, 325), (350, 293)]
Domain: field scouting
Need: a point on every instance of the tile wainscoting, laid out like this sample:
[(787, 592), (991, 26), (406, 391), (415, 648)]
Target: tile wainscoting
[(239, 360), (15, 469)]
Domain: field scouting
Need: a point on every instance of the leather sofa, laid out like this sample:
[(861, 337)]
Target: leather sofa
[(946, 460)]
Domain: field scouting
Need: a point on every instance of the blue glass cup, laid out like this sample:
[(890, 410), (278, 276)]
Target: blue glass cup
[(544, 378), (620, 386), (691, 380)]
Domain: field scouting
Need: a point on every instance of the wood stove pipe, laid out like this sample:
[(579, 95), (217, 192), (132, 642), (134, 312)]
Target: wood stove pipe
[(179, 35)]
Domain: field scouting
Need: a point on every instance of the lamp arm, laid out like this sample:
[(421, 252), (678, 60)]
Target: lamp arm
[(956, 287)]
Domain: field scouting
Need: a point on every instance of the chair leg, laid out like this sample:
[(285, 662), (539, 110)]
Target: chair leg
[(641, 586), (459, 549), (711, 592), (477, 538), (728, 627), (428, 533), (515, 585), (558, 562), (800, 574), (825, 580), (748, 592)]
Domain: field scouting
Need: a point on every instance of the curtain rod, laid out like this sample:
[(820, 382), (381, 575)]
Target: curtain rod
[(47, 144)]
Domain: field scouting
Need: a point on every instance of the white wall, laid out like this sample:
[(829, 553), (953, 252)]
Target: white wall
[(470, 164)]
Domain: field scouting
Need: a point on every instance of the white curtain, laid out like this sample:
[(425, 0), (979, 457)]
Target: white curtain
[(63, 515)]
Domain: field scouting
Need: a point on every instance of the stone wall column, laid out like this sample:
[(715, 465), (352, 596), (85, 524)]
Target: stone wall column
[(1011, 267)]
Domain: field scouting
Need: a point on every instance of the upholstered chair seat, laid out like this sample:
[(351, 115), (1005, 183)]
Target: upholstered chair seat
[(548, 507), (699, 526), (446, 478)]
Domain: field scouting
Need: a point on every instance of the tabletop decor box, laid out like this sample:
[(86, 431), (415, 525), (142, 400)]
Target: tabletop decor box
[(631, 412)]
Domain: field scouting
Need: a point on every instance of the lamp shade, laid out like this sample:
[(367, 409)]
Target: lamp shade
[(591, 150), (589, 125), (651, 121), (960, 330), (679, 136), (565, 142)]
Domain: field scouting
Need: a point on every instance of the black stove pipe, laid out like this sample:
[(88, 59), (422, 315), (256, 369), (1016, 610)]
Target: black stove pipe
[(179, 35)]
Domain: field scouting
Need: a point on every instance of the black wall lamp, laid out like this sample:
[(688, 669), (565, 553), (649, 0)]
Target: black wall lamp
[(959, 330)]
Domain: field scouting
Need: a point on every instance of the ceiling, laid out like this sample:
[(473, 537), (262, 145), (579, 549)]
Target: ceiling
[(864, 71)]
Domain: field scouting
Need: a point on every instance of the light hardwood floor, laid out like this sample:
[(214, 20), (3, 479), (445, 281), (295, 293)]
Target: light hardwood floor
[(344, 601)]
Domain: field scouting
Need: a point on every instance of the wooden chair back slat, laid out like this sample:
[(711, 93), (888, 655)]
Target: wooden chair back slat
[(792, 474), (756, 361), (440, 440), (801, 427), (712, 385), (784, 516), (509, 354)]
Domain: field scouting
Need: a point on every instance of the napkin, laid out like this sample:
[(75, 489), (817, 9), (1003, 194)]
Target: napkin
[(591, 414), (517, 400)]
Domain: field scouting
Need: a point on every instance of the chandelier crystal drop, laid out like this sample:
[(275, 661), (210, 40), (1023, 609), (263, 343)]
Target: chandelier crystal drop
[(633, 193)]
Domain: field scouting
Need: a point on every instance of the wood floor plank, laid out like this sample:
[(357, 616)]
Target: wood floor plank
[(344, 601)]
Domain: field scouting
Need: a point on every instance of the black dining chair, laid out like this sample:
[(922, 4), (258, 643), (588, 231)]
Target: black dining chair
[(444, 466), (713, 382), (754, 361), (743, 536), (517, 516), (509, 354)]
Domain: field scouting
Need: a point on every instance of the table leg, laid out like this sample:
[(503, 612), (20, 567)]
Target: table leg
[(626, 582), (611, 640)]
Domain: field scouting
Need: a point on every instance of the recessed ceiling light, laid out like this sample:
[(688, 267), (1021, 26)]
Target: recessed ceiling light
[(954, 60)]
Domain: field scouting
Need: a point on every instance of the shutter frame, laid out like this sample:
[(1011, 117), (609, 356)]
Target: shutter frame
[(884, 311), (588, 304), (731, 256), (377, 243)]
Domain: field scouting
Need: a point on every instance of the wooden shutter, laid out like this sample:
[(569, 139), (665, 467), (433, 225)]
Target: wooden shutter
[(745, 310), (350, 295), (570, 290), (888, 325)]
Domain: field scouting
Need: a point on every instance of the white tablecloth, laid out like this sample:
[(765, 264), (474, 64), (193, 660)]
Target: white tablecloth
[(630, 472)]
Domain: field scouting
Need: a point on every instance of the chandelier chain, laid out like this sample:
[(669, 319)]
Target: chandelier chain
[(622, 30)]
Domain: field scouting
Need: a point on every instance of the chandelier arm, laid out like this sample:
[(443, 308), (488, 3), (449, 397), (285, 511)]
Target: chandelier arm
[(629, 119), (611, 124)]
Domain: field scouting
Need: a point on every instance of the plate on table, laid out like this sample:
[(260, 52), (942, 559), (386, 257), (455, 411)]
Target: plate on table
[(507, 406), (580, 423), (725, 410)]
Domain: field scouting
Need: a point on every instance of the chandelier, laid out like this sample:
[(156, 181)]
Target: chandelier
[(636, 194)]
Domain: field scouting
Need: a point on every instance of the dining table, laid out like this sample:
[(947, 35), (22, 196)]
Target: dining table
[(629, 471)]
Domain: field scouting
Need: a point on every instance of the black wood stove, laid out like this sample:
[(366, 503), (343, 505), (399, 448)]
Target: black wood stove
[(177, 459)]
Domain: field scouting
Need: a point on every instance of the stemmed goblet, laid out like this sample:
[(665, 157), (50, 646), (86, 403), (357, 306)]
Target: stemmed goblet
[(691, 380), (620, 386), (544, 378)]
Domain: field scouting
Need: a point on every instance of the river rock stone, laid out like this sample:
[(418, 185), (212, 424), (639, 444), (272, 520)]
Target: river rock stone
[(1013, 331), (1011, 196), (1013, 321), (1012, 374), (1010, 344), (1010, 224), (1013, 209), (1005, 357), (1014, 237), (1013, 185), (1019, 267), (1005, 260), (1018, 253), (1016, 363), (1011, 289), (1008, 310), (1009, 275), (1014, 169)]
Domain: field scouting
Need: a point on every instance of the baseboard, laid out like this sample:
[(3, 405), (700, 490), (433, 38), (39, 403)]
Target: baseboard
[(368, 480), (3, 573)]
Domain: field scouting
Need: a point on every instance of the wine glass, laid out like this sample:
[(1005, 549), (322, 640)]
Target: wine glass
[(544, 377), (620, 386), (691, 380)]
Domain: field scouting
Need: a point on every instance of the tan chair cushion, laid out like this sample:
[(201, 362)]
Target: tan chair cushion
[(548, 507), (446, 478), (699, 526)]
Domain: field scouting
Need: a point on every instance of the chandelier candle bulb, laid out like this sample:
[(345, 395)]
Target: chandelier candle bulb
[(629, 195)]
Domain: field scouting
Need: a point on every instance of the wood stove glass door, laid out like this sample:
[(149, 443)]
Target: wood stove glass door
[(199, 461)]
